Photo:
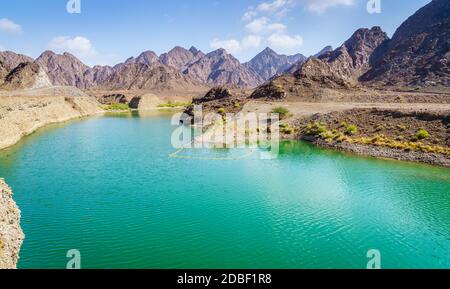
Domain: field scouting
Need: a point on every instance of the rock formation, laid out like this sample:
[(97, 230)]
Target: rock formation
[(221, 68), (419, 51), (26, 75), (11, 60), (11, 234), (268, 63), (65, 69), (180, 58)]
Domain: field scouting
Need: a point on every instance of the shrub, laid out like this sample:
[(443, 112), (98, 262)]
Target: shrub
[(287, 130), (116, 106), (237, 105), (281, 111), (352, 129), (422, 134), (221, 110)]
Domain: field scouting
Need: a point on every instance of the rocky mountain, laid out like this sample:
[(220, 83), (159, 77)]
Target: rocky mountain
[(220, 68), (338, 69), (296, 66), (419, 51), (326, 49), (353, 58), (64, 69), (180, 58), (146, 57), (11, 60), (26, 75), (268, 63), (3, 72), (155, 76)]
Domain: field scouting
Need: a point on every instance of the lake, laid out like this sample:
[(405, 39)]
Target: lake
[(108, 187)]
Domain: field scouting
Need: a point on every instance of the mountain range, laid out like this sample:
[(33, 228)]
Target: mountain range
[(417, 55)]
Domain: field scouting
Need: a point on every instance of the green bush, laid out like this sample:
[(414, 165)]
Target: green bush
[(116, 106), (237, 105), (221, 110), (422, 134), (281, 111), (352, 129)]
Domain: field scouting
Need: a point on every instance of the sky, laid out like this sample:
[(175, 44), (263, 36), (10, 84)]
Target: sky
[(107, 32)]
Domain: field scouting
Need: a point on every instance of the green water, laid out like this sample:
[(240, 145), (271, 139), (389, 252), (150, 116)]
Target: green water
[(107, 187)]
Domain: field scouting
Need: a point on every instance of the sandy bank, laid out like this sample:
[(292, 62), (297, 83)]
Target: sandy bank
[(22, 113)]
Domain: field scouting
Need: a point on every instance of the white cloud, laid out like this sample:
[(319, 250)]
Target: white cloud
[(249, 15), (251, 41), (79, 46), (230, 45), (9, 26), (264, 25), (236, 46), (319, 6), (273, 6), (285, 43)]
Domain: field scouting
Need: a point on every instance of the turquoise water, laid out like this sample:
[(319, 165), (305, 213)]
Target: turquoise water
[(107, 187)]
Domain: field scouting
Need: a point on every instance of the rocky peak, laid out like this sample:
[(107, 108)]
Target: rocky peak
[(194, 50), (268, 63), (146, 57), (220, 68), (63, 69), (354, 57), (178, 58), (11, 60), (418, 53), (325, 50)]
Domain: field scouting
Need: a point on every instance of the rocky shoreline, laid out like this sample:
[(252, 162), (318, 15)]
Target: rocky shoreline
[(11, 234), (384, 152)]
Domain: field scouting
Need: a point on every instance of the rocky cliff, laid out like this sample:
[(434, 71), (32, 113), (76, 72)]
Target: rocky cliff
[(11, 234)]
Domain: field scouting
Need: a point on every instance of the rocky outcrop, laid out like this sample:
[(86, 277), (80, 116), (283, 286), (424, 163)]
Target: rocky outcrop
[(146, 57), (353, 58), (11, 60), (3, 72), (221, 68), (112, 98), (11, 234), (145, 102), (268, 63), (325, 50), (26, 75), (64, 70), (140, 76), (180, 58), (215, 93), (419, 52), (23, 112)]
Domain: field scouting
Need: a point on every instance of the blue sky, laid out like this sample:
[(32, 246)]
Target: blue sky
[(109, 31)]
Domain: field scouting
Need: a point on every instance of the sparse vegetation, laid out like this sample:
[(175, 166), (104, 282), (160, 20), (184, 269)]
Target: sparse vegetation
[(421, 135), (221, 110), (175, 104), (116, 107), (352, 129), (281, 111)]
